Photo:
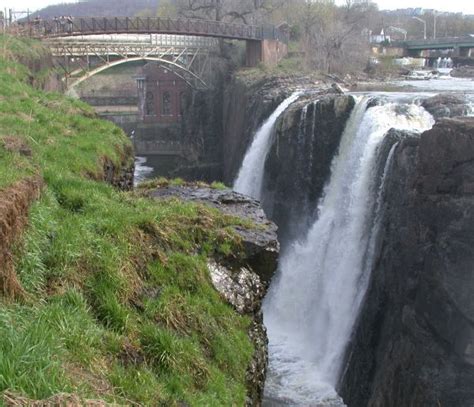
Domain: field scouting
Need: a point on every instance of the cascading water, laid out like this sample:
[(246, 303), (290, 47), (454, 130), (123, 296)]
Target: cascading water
[(443, 63), (312, 305), (142, 171), (250, 178)]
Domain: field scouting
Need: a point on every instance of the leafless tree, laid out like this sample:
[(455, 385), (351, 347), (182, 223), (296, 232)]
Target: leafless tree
[(332, 36), (243, 11)]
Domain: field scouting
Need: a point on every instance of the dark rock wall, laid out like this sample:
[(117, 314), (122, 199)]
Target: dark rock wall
[(245, 108), (201, 131), (299, 162), (414, 341)]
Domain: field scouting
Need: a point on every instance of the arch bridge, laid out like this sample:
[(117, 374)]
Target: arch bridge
[(87, 46)]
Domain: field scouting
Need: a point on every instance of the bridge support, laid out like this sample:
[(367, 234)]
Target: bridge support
[(268, 52)]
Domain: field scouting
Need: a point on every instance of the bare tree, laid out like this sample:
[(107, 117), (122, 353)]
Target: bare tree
[(332, 36), (243, 11)]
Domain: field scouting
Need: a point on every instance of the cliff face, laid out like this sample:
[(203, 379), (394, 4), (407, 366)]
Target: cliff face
[(246, 106), (414, 342), (305, 141)]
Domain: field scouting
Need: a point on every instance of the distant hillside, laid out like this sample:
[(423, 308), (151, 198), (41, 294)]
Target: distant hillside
[(100, 8)]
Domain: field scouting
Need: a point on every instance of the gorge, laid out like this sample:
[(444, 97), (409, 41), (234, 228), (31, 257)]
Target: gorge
[(334, 173)]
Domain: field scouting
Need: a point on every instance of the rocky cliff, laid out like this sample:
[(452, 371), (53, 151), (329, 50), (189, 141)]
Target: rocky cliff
[(306, 139), (414, 342), (246, 107)]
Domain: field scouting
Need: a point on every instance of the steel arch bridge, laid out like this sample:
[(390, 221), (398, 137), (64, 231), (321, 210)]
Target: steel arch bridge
[(84, 47), (85, 56)]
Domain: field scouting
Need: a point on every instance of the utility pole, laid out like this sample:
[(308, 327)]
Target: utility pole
[(424, 25)]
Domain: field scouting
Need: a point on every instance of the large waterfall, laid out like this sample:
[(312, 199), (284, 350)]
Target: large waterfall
[(312, 306), (313, 303), (250, 178)]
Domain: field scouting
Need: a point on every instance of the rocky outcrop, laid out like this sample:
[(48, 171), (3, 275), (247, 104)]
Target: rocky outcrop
[(414, 342), (242, 280), (306, 139), (121, 176), (446, 105)]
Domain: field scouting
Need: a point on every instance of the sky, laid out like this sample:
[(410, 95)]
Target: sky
[(465, 6)]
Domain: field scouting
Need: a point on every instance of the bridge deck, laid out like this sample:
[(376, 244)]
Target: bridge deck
[(441, 43), (62, 27)]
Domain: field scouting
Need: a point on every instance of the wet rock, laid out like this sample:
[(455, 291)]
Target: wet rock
[(242, 284), (299, 161), (446, 105), (413, 344), (463, 72)]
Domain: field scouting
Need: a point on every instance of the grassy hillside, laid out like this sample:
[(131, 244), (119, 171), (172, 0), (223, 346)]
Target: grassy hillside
[(108, 297)]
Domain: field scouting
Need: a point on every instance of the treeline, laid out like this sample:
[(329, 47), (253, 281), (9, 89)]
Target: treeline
[(100, 8)]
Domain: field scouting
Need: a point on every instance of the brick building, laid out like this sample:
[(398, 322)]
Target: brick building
[(161, 94)]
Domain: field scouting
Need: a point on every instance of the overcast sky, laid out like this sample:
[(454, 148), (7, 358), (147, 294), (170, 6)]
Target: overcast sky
[(466, 6)]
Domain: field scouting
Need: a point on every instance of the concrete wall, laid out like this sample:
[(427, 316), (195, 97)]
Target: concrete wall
[(111, 100), (158, 139), (268, 52), (126, 121)]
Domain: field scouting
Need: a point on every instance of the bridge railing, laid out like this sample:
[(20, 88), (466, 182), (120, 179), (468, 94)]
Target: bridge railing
[(439, 42), (59, 27)]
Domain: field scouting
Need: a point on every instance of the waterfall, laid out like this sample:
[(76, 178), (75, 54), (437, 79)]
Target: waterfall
[(313, 303), (250, 178)]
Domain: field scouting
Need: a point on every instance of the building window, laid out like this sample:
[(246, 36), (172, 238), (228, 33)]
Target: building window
[(166, 104), (182, 102), (149, 104)]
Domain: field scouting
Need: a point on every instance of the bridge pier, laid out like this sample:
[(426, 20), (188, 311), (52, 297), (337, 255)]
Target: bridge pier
[(267, 52)]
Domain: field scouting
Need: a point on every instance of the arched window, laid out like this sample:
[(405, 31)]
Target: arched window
[(166, 104), (149, 104)]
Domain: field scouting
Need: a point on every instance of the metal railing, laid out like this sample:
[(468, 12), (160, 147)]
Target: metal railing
[(441, 42), (61, 27)]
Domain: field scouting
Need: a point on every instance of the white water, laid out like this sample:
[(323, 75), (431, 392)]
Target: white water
[(142, 171), (250, 178), (312, 305)]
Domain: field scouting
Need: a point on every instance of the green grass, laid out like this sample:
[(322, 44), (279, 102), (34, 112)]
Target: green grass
[(118, 302)]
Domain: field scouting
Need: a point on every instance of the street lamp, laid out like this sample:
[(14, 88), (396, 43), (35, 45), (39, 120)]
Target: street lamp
[(424, 25), (399, 30)]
